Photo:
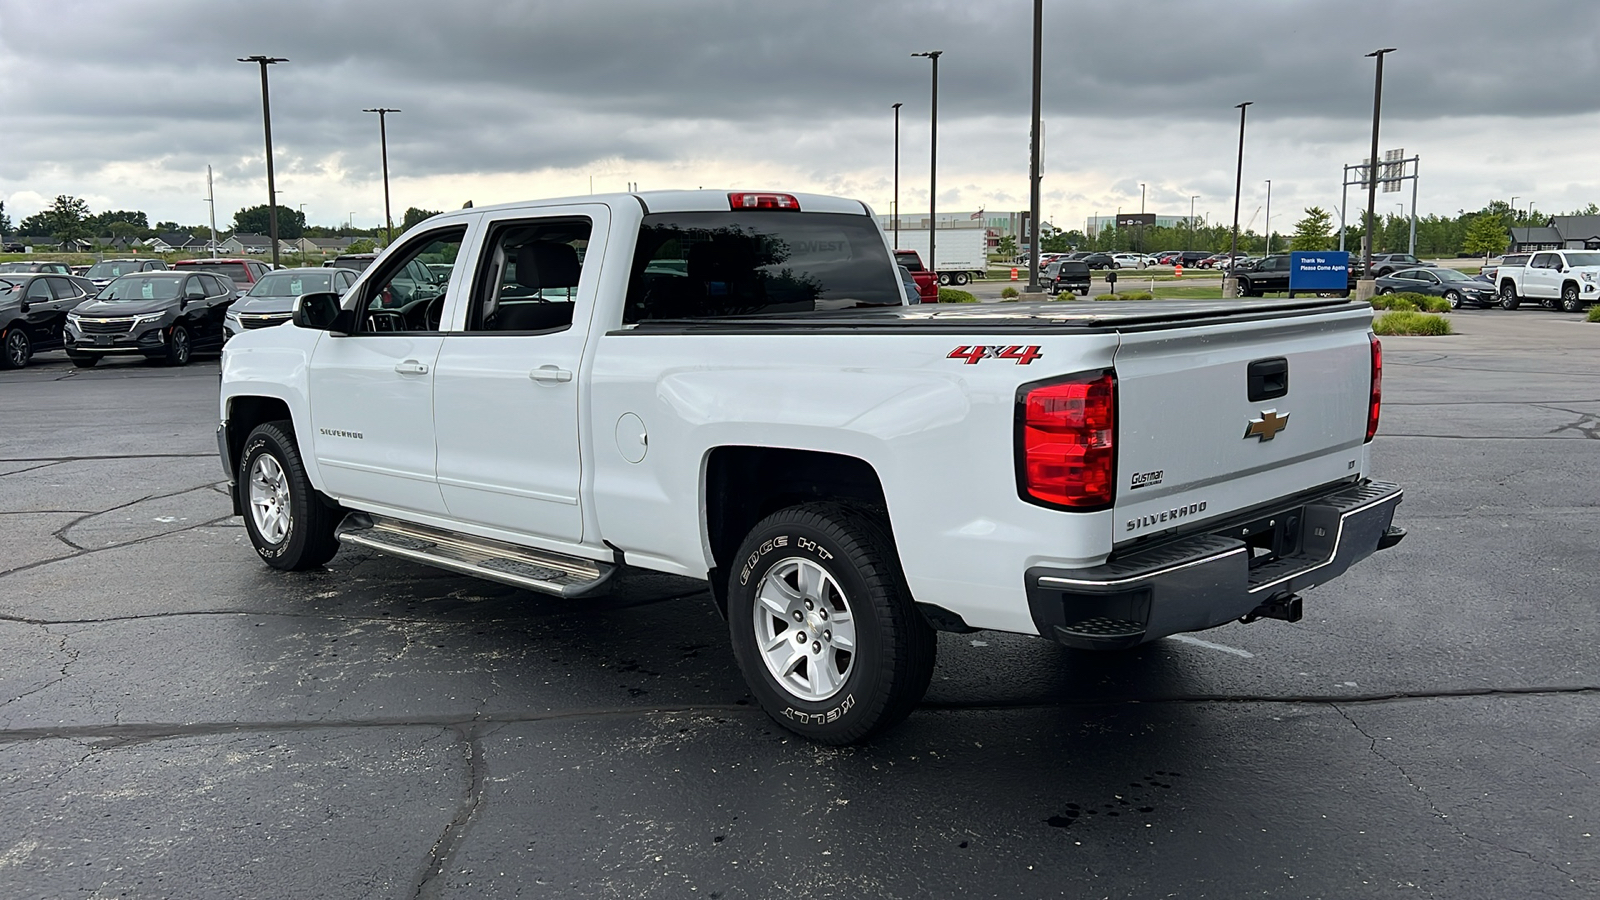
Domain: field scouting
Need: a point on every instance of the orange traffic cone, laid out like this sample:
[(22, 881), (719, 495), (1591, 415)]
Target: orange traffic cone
[(1177, 270), (1013, 273)]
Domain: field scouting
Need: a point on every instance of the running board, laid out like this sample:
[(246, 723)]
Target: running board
[(523, 567)]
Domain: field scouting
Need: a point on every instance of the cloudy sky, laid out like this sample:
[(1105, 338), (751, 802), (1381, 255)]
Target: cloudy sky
[(126, 104)]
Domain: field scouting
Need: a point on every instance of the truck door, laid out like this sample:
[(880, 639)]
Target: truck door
[(371, 392), (1542, 277), (507, 391)]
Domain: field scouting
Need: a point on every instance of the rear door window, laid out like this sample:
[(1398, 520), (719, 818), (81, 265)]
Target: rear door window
[(750, 262)]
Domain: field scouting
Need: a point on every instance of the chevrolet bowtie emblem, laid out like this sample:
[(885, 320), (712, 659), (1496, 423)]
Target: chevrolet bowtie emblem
[(1267, 427)]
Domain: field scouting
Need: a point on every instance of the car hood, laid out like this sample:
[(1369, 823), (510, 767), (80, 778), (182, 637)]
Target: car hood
[(263, 305), (99, 308)]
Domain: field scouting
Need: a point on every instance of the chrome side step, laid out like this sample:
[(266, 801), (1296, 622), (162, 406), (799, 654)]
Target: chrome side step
[(523, 567)]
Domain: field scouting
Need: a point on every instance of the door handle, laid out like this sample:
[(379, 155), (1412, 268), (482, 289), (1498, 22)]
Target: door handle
[(411, 367), (551, 374)]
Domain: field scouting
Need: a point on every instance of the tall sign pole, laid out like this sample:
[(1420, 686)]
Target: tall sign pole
[(383, 141), (1372, 165), (897, 176), (1230, 284), (933, 161), (1034, 176)]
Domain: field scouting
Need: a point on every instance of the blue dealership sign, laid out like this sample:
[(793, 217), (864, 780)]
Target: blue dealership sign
[(1319, 270)]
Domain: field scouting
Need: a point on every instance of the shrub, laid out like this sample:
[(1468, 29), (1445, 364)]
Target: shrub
[(951, 295), (1008, 293), (1130, 295), (1411, 322), (1073, 295), (1424, 302), (1594, 313), (1394, 302)]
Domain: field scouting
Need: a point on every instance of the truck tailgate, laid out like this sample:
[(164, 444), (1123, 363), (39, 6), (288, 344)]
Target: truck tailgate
[(1192, 444)]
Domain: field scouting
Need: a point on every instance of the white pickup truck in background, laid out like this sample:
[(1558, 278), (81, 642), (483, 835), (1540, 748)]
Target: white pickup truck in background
[(728, 388), (1560, 279)]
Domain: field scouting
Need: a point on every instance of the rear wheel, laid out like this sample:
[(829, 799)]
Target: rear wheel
[(15, 349), (823, 625), (962, 278), (290, 524), (1508, 296), (1570, 302), (1453, 298)]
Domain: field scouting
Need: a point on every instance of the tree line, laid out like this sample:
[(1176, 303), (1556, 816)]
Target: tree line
[(68, 219)]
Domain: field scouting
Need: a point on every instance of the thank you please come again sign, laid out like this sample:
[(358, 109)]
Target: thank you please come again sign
[(1319, 270)]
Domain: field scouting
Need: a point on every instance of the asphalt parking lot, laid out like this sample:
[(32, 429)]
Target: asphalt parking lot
[(176, 720)]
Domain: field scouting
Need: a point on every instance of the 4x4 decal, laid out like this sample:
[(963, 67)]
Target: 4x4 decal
[(1023, 355)]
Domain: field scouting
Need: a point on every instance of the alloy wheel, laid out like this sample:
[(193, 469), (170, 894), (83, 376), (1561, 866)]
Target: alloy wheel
[(805, 629), (16, 348), (269, 499)]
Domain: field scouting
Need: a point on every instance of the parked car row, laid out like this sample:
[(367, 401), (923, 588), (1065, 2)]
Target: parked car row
[(152, 311)]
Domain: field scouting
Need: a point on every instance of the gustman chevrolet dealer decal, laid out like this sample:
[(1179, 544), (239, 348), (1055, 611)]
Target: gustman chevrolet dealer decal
[(1166, 515), (1023, 355)]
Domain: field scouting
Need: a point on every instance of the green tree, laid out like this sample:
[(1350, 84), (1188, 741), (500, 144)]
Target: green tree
[(102, 223), (68, 218), (1486, 235), (1007, 246), (365, 245), (1314, 232), (415, 216), (5, 220), (254, 220)]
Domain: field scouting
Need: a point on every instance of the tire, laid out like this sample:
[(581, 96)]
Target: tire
[(84, 360), (1453, 298), (944, 279), (806, 681), (179, 346), (15, 349), (1083, 292), (1570, 301), (1384, 291), (1508, 296), (1244, 288), (962, 278), (290, 524)]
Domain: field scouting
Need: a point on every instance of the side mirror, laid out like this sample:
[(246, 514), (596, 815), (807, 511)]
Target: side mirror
[(321, 311), (24, 306)]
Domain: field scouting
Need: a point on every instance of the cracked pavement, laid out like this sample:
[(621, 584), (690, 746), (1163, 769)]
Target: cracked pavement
[(178, 720)]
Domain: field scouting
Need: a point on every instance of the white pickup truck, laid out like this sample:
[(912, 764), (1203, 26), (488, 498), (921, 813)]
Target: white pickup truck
[(1565, 279), (727, 387)]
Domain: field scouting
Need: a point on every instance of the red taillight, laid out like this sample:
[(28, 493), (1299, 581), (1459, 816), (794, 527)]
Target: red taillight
[(1065, 443), (1375, 401), (746, 200)]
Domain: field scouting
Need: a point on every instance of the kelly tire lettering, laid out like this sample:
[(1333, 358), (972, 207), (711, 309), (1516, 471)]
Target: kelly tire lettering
[(893, 658)]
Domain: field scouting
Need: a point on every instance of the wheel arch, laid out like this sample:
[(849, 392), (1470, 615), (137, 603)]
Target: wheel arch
[(244, 413), (744, 484)]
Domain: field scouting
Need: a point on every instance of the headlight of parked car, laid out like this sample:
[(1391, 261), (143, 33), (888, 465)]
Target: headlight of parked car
[(146, 319)]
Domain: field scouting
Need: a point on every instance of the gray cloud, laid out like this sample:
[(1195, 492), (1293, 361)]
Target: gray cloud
[(520, 87)]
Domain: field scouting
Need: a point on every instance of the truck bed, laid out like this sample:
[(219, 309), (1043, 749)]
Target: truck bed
[(1050, 316)]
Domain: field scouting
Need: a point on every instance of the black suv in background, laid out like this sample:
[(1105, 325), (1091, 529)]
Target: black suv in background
[(1065, 275), (33, 313), (163, 315), (1270, 275)]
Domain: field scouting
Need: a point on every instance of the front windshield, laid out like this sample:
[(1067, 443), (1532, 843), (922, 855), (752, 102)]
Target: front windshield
[(134, 289), (292, 284), (111, 269), (15, 267), (1452, 275), (1583, 259)]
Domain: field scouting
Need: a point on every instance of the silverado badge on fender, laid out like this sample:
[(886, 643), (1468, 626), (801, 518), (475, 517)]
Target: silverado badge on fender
[(1267, 427), (1023, 355)]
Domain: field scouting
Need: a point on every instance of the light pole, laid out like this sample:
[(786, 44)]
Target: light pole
[(1140, 248), (383, 141), (302, 234), (896, 108), (1269, 217), (350, 222), (1230, 284), (1035, 172), (266, 120), (933, 162), (1192, 198), (1365, 288)]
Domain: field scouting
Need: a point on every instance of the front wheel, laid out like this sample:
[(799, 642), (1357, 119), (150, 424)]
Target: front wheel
[(944, 279), (179, 346), (1570, 301), (1508, 296), (289, 523), (1453, 298), (15, 349), (823, 625)]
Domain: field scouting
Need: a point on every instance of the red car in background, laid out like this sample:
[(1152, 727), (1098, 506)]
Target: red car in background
[(927, 282)]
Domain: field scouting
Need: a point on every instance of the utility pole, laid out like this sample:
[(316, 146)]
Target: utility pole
[(1367, 285), (1230, 284), (266, 120), (303, 237), (896, 108), (1036, 173), (933, 162), (383, 140), (211, 198), (1269, 217), (1192, 198)]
